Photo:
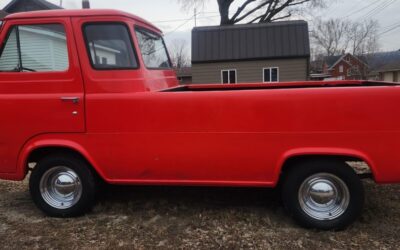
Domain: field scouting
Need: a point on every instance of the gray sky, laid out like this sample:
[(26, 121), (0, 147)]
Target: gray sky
[(177, 23)]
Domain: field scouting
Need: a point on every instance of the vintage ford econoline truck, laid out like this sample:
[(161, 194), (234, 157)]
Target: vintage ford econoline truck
[(89, 96)]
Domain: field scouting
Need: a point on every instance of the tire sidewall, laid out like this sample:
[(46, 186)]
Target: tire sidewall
[(85, 175)]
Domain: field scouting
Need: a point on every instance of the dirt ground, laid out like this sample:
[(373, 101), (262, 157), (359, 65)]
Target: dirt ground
[(191, 218)]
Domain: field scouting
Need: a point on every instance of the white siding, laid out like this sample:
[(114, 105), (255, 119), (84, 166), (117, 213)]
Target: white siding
[(388, 77), (9, 58), (41, 50)]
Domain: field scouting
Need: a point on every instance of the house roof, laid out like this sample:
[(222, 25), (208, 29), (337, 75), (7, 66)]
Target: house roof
[(3, 14), (250, 41), (27, 5), (384, 61), (331, 60)]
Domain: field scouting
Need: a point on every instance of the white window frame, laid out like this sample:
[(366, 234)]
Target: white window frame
[(229, 76), (341, 68), (270, 74)]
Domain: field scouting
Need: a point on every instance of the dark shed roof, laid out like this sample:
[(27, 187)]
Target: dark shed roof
[(29, 5), (250, 41)]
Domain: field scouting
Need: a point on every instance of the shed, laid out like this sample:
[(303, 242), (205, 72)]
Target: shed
[(268, 52)]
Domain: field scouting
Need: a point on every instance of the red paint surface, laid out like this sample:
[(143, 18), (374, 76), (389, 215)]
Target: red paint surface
[(132, 132)]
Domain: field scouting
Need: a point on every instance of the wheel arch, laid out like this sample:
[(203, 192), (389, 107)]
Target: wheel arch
[(39, 148), (290, 158)]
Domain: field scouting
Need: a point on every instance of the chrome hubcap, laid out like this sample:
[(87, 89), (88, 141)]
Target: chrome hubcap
[(60, 187), (324, 196)]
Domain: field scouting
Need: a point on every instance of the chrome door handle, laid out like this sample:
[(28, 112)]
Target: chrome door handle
[(72, 99)]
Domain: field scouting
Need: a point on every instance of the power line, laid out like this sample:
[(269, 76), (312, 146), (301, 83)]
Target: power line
[(378, 9), (361, 9), (181, 25), (392, 27), (184, 19), (185, 22)]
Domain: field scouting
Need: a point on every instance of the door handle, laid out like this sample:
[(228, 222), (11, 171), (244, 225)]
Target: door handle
[(72, 99)]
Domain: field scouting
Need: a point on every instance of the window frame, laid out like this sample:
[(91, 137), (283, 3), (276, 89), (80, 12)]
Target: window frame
[(84, 25), (270, 74), (7, 37), (229, 76), (138, 27)]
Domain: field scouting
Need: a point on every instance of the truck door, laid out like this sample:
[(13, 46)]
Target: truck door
[(41, 87)]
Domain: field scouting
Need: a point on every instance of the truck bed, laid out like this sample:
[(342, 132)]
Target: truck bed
[(279, 85)]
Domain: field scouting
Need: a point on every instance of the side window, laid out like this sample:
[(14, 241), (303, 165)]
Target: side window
[(228, 76), (153, 49), (35, 48), (110, 46), (271, 74)]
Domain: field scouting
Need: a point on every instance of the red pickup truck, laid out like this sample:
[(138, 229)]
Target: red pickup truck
[(89, 96)]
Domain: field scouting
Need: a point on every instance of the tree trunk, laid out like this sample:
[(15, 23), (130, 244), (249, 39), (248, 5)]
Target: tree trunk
[(224, 11)]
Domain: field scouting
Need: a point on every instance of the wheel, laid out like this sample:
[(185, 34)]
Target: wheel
[(63, 186), (326, 195)]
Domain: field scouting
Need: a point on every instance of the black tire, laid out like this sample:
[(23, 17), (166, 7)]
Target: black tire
[(292, 195), (87, 183)]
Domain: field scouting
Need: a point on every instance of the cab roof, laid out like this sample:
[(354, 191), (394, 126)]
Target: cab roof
[(77, 13)]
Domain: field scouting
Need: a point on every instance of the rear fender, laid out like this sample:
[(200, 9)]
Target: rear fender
[(46, 142), (321, 152)]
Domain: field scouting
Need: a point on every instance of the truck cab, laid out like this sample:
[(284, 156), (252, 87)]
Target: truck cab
[(46, 58)]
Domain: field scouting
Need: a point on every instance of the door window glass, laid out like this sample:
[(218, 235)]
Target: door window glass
[(35, 48), (110, 46)]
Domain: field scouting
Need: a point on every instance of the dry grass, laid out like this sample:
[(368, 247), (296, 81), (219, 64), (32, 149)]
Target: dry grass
[(188, 218)]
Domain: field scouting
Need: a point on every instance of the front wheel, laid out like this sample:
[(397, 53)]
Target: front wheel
[(326, 195), (62, 186)]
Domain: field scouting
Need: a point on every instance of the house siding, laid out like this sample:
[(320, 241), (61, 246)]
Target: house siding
[(294, 69), (391, 76)]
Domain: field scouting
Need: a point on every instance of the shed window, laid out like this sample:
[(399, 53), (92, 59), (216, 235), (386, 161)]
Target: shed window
[(271, 74), (228, 76), (35, 48)]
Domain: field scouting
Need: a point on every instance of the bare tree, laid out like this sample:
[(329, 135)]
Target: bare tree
[(363, 37), (252, 11), (335, 36), (179, 53), (331, 36)]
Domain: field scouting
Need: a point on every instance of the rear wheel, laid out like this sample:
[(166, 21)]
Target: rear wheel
[(63, 186), (326, 195)]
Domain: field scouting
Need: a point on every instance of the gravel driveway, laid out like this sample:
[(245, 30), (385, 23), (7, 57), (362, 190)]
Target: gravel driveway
[(188, 218)]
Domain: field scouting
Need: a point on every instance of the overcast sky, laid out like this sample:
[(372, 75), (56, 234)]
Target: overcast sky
[(177, 23)]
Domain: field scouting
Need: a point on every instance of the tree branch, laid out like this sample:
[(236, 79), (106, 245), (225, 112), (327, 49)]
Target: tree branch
[(241, 8), (282, 17), (251, 11)]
